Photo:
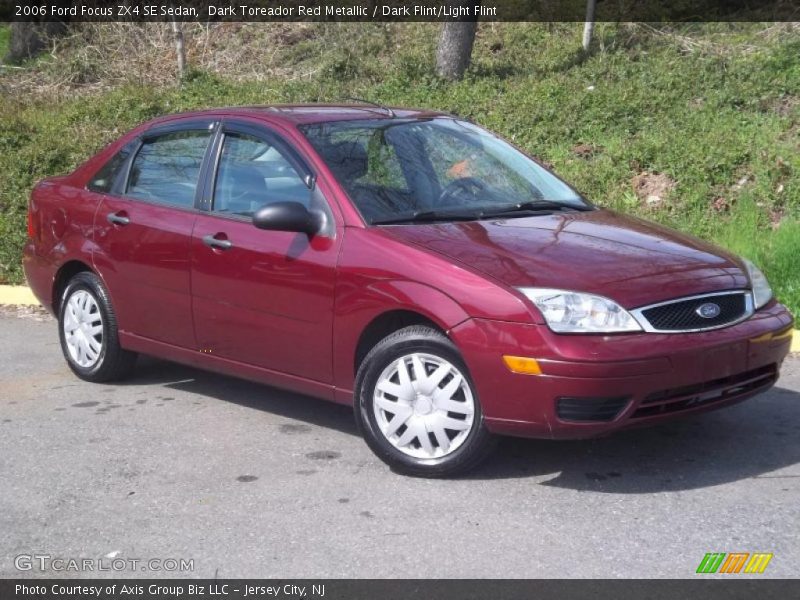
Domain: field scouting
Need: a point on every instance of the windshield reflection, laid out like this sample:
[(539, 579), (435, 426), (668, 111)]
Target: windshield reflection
[(397, 170)]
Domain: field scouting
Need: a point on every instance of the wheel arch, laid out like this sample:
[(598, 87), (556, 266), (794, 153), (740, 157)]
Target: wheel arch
[(385, 324), (66, 272)]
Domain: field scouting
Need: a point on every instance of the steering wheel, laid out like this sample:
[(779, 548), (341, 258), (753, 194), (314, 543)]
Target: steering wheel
[(457, 187)]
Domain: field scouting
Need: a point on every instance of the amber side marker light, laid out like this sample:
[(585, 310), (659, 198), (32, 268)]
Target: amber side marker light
[(522, 365), (771, 337), (31, 227)]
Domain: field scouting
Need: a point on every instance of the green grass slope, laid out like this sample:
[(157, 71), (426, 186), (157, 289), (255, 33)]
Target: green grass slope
[(5, 33), (697, 128)]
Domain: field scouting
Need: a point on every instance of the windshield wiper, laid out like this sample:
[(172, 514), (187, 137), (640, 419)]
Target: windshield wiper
[(533, 206), (429, 216)]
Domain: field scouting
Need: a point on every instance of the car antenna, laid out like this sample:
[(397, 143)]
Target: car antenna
[(370, 102)]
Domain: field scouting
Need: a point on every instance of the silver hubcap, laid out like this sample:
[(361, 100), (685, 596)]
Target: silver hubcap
[(424, 406), (83, 329)]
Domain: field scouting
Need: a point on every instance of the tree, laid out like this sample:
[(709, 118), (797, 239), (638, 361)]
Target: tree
[(588, 26), (180, 49), (455, 45), (28, 38)]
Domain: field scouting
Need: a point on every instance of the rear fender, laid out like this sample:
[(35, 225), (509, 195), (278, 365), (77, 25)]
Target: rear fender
[(63, 220)]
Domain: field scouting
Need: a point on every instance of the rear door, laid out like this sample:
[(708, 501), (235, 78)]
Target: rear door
[(143, 231), (264, 298)]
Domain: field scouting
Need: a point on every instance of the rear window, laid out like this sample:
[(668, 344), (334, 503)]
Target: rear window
[(104, 180)]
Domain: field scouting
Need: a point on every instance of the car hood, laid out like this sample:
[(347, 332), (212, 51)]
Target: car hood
[(632, 261)]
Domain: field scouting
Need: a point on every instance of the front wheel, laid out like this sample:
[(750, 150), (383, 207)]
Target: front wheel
[(417, 406), (88, 331)]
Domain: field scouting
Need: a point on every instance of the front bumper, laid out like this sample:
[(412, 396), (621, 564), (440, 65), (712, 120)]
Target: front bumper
[(592, 384)]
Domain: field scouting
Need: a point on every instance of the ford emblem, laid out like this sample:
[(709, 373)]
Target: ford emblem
[(709, 310)]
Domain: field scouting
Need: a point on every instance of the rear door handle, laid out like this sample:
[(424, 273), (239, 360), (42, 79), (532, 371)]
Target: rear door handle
[(117, 219), (212, 242)]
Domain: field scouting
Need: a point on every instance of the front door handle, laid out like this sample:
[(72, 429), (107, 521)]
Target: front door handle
[(117, 218), (213, 242)]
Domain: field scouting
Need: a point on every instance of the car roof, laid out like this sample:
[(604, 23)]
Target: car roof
[(299, 114)]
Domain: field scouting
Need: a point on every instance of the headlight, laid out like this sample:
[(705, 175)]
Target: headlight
[(575, 312), (762, 293)]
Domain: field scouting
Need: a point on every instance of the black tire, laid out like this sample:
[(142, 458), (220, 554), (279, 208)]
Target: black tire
[(417, 339), (113, 363)]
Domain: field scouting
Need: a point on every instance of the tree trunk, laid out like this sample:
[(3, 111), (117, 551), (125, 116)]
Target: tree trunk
[(455, 46), (180, 49), (28, 38), (588, 27)]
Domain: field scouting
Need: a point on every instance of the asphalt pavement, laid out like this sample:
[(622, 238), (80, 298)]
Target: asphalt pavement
[(245, 480)]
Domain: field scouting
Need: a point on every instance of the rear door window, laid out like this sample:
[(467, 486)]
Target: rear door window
[(167, 168)]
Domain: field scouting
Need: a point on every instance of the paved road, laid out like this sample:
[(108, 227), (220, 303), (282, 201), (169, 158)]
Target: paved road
[(251, 481)]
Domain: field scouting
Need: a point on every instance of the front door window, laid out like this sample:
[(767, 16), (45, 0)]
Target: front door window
[(252, 172)]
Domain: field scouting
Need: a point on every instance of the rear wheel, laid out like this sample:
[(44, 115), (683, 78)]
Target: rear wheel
[(417, 406), (88, 331)]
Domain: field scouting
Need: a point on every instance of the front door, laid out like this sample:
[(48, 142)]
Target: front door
[(264, 298)]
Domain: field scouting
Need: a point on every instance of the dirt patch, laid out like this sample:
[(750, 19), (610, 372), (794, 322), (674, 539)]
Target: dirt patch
[(35, 313), (294, 34), (776, 217), (653, 189), (586, 150), (546, 163), (783, 106), (741, 182), (696, 103), (721, 204)]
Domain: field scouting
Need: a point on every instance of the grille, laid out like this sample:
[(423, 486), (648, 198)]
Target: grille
[(682, 314), (709, 392), (590, 409)]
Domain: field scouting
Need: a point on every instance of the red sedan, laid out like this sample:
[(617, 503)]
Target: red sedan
[(407, 262)]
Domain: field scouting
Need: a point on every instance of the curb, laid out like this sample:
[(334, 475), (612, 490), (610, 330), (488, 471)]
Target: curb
[(18, 295), (22, 296)]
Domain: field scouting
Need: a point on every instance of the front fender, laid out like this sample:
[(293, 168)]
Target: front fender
[(357, 306)]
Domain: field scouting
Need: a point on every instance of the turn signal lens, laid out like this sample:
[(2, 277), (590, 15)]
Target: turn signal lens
[(522, 365)]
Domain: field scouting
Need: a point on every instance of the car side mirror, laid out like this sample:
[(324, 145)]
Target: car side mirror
[(288, 216)]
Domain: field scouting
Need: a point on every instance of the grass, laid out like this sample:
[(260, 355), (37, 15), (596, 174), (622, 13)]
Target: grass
[(775, 252), (711, 110), (5, 39)]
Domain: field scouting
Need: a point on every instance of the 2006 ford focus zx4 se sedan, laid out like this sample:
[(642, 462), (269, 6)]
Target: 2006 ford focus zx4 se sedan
[(407, 262)]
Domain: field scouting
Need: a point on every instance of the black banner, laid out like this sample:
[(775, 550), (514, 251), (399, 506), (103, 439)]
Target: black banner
[(399, 10), (734, 588)]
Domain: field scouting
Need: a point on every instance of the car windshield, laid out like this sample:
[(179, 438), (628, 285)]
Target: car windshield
[(437, 169)]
